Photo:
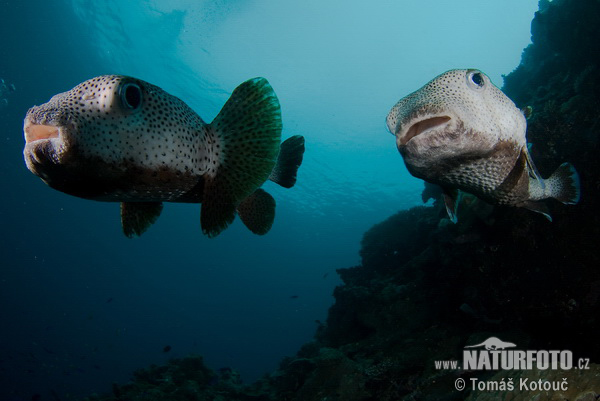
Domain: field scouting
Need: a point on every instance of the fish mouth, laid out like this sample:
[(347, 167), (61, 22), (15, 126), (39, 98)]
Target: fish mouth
[(422, 126), (38, 132), (45, 144)]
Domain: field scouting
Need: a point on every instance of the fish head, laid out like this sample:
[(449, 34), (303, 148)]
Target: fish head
[(458, 115), (94, 136)]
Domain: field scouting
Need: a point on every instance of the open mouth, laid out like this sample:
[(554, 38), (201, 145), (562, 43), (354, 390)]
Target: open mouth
[(423, 126), (36, 132)]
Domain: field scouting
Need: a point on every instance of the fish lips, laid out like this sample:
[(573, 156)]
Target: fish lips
[(420, 127), (46, 143)]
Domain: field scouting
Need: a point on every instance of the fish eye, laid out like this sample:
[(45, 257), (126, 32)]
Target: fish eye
[(475, 79), (131, 96)]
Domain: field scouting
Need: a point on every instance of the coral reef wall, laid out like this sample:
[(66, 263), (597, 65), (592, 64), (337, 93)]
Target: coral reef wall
[(426, 288)]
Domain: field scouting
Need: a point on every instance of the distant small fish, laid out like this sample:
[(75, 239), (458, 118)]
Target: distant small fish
[(325, 275), (294, 297), (109, 300), (167, 348), (5, 90), (115, 138), (461, 132)]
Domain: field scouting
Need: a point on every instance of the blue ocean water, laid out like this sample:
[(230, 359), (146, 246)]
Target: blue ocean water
[(81, 306)]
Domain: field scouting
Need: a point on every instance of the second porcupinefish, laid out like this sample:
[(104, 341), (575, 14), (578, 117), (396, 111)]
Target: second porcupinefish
[(119, 139), (461, 132)]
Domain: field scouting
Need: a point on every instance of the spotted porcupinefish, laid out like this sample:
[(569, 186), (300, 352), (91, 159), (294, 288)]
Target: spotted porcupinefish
[(461, 132), (119, 139)]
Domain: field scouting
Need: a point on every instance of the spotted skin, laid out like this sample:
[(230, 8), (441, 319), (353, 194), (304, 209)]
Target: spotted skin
[(118, 138), (460, 131), (160, 140)]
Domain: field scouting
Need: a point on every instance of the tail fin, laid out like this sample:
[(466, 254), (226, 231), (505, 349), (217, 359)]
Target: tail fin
[(257, 212), (288, 161), (564, 184), (242, 144)]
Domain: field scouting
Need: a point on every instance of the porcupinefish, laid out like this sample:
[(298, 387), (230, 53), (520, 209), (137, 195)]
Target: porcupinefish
[(461, 132), (119, 139)]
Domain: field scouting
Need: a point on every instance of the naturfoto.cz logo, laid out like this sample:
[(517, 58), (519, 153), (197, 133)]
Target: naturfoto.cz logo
[(495, 354)]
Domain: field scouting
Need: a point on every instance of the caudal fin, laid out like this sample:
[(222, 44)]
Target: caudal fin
[(242, 144), (289, 160), (257, 212), (564, 184)]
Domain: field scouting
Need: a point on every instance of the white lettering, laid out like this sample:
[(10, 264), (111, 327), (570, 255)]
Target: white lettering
[(484, 360), (554, 355), (543, 360), (519, 362), (566, 360), (470, 360), (506, 362), (530, 359)]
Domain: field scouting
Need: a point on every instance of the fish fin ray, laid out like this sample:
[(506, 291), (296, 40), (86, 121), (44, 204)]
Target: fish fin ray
[(451, 201), (257, 212), (243, 143), (137, 217), (532, 169), (289, 160)]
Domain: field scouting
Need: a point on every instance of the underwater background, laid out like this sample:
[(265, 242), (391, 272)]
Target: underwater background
[(82, 306)]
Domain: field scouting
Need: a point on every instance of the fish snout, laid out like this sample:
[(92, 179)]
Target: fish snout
[(423, 126)]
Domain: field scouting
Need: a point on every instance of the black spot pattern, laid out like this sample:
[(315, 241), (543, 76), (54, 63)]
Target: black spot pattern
[(123, 139), (99, 123), (257, 212), (477, 142)]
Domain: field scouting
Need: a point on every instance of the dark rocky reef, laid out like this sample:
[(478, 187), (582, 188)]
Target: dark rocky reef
[(185, 379), (426, 288)]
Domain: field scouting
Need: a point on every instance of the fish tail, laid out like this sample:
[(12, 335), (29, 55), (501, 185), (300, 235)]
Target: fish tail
[(564, 185), (242, 144), (289, 160), (257, 212)]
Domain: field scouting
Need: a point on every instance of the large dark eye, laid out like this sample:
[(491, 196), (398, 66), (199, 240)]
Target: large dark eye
[(475, 79), (131, 96)]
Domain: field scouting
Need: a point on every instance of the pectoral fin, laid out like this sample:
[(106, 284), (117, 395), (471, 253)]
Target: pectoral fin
[(451, 200), (533, 171), (137, 217), (538, 207)]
